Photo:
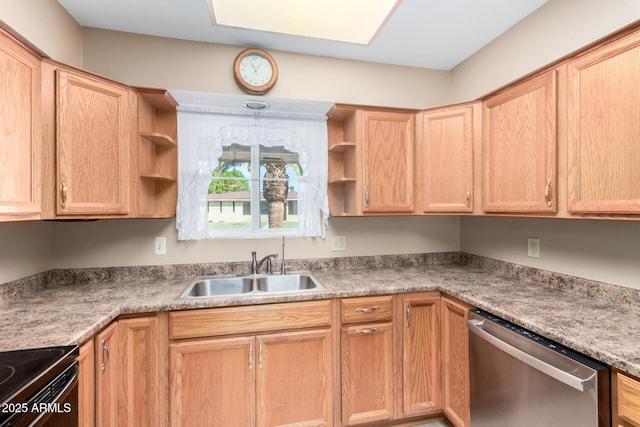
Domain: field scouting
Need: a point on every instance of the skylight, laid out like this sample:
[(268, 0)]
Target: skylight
[(351, 21)]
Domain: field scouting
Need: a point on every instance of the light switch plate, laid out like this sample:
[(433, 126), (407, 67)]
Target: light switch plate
[(533, 247), (160, 246), (338, 243)]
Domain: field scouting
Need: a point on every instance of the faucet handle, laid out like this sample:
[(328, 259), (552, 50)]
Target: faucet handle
[(284, 268)]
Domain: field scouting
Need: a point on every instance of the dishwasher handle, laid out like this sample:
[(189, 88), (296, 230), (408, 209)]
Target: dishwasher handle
[(567, 378)]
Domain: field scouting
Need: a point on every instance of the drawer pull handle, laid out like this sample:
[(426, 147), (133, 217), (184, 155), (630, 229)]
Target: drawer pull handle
[(367, 331), (367, 309)]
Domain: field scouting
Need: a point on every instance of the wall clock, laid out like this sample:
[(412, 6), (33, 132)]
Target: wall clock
[(255, 71)]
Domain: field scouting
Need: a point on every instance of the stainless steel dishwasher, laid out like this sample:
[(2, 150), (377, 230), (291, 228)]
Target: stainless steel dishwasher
[(520, 379)]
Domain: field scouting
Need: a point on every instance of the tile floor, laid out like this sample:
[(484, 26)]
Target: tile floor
[(435, 424)]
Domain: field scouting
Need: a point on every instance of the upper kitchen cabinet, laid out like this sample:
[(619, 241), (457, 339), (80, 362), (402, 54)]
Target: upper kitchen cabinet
[(92, 149), (157, 154), (445, 146), (371, 161), (20, 151), (603, 131), (520, 146)]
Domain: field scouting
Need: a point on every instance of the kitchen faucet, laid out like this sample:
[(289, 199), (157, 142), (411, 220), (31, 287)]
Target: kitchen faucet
[(255, 264), (283, 266)]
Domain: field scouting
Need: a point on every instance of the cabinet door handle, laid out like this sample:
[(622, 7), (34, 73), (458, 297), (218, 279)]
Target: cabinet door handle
[(367, 331), (547, 193), (367, 309), (260, 355), (250, 356), (468, 197), (408, 308), (105, 350), (63, 193), (366, 197)]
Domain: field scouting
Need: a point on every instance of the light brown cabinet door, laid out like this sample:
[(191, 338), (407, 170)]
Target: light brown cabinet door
[(86, 385), (20, 149), (143, 352), (520, 145), (625, 404), (421, 382), (213, 383), (388, 152), (455, 362), (92, 145), (446, 139), (107, 373), (367, 373), (294, 379), (603, 111)]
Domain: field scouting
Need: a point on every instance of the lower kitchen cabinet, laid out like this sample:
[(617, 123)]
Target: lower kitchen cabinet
[(625, 400), (142, 365), (368, 361), (367, 373), (86, 385), (130, 374), (455, 362), (249, 366), (294, 380), (400, 357), (421, 376), (212, 382), (106, 346), (267, 380)]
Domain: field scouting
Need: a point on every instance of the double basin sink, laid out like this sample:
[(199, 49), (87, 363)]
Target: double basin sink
[(215, 286)]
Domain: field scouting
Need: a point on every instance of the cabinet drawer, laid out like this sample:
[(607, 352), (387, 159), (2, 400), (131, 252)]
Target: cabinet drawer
[(367, 309), (249, 319), (628, 400)]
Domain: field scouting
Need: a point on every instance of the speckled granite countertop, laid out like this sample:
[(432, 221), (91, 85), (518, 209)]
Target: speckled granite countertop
[(600, 320)]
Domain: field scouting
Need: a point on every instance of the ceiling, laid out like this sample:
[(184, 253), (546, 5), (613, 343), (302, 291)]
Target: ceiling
[(436, 34)]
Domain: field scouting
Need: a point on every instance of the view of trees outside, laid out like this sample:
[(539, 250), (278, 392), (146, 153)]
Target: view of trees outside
[(230, 190)]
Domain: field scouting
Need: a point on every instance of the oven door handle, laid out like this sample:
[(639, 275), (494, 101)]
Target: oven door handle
[(567, 378)]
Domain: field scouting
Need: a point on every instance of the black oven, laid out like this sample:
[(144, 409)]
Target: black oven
[(39, 387)]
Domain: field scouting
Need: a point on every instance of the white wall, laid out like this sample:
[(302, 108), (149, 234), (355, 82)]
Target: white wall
[(180, 64), (130, 242), (555, 30), (603, 250), (25, 249), (46, 25)]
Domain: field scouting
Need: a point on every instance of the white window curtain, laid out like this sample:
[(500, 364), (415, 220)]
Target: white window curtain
[(203, 132)]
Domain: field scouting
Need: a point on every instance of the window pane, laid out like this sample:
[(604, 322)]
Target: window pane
[(279, 172), (229, 196)]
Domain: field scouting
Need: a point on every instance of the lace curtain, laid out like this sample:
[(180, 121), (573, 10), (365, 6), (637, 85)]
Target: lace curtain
[(203, 132)]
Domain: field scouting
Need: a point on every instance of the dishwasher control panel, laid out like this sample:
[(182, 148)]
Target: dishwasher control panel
[(551, 345)]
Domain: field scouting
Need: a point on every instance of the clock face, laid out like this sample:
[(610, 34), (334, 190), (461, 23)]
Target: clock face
[(255, 70)]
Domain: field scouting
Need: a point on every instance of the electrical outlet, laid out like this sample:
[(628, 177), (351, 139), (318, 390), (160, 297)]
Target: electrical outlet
[(338, 243), (533, 247), (161, 245)]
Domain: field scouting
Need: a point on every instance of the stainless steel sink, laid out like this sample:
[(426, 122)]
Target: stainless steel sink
[(286, 283), (216, 286)]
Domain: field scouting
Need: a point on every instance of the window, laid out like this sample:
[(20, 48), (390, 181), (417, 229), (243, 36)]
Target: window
[(252, 175), (265, 178)]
